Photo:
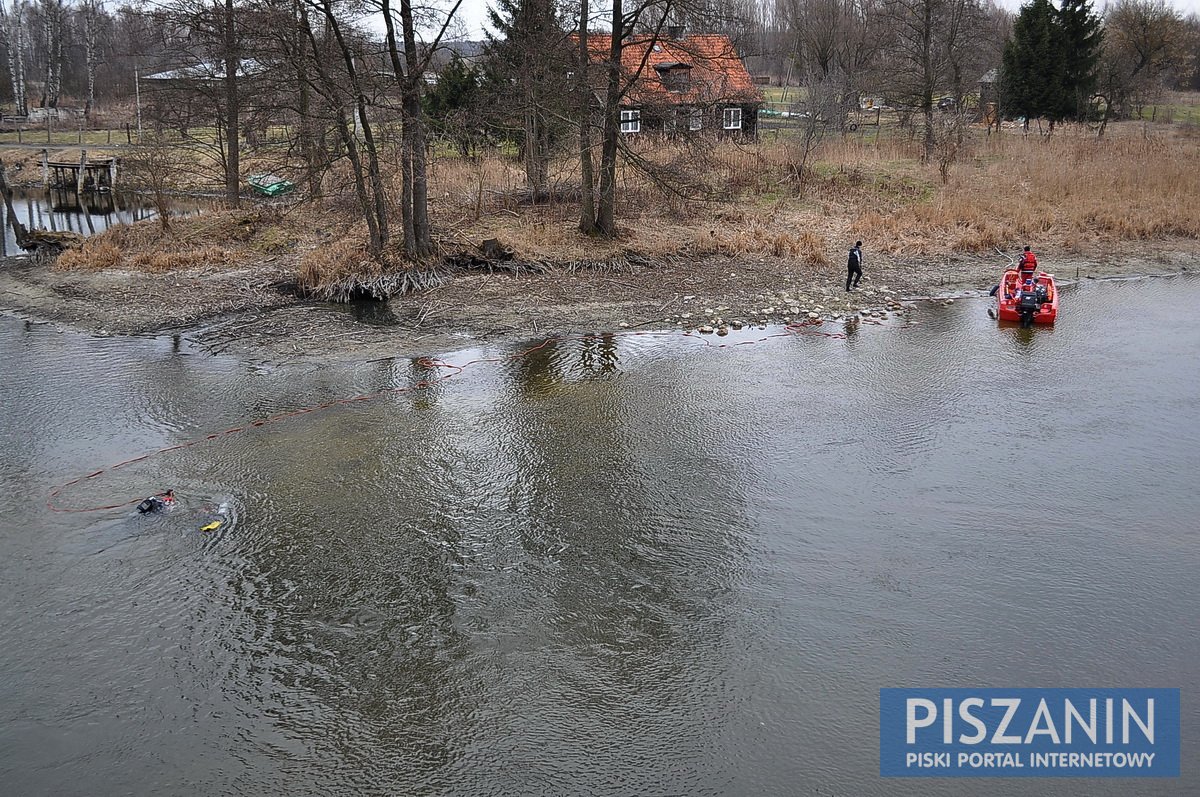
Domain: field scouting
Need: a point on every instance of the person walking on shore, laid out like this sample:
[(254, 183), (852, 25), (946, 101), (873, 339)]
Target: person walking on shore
[(854, 266)]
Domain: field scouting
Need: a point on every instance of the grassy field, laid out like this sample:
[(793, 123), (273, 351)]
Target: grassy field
[(67, 138), (782, 96), (1172, 113)]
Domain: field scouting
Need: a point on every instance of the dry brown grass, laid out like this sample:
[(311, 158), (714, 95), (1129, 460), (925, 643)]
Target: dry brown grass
[(1070, 192), (216, 240), (1066, 192), (345, 256), (94, 255)]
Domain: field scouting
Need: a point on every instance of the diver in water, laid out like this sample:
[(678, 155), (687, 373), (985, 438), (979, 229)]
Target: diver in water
[(157, 503)]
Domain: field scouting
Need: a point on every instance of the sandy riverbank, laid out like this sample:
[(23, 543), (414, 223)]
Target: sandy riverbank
[(251, 311)]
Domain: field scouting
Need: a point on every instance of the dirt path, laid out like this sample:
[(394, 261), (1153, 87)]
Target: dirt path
[(245, 310)]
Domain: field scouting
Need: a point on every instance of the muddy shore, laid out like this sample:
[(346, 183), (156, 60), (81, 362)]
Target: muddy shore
[(250, 310)]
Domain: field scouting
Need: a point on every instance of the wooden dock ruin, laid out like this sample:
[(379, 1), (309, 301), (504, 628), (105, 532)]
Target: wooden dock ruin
[(86, 175)]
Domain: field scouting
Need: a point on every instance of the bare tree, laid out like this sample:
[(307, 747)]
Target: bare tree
[(12, 29), (53, 31), (1144, 41), (153, 166), (90, 12), (823, 104), (934, 46), (233, 68), (342, 89), (409, 67), (201, 39), (835, 43), (618, 80), (583, 107)]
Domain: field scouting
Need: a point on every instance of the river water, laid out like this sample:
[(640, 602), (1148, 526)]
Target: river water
[(64, 211), (640, 565)]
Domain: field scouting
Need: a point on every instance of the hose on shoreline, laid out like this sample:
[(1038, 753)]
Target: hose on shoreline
[(449, 370)]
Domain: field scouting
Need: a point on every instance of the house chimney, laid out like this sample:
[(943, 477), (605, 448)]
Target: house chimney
[(675, 32)]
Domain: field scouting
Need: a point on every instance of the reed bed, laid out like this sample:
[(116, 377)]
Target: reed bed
[(1064, 192), (223, 239)]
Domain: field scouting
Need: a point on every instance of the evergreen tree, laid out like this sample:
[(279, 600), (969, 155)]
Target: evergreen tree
[(528, 60), (452, 105), (1034, 65), (1082, 37)]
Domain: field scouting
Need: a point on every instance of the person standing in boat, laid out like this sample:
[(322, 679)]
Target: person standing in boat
[(854, 266), (1028, 263)]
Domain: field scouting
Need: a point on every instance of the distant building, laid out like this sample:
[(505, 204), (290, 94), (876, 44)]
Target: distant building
[(41, 115), (682, 85), (203, 73), (194, 94), (989, 97)]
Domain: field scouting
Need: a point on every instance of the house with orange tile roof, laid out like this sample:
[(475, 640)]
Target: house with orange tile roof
[(682, 85)]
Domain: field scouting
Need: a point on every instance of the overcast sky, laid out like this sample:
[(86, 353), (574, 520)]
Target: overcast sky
[(473, 12)]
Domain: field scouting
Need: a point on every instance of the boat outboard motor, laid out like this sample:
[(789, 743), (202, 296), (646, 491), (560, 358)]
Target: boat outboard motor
[(1028, 306)]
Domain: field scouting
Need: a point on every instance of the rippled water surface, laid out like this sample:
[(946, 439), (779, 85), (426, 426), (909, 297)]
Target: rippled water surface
[(639, 565), (61, 210)]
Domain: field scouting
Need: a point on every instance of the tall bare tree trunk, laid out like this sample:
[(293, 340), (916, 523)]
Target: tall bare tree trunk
[(535, 138), (308, 149), (611, 128), (232, 108), (12, 36), (336, 101), (928, 78), (380, 234), (304, 110), (20, 92), (414, 190), (91, 15), (422, 243), (52, 27), (587, 178), (360, 187)]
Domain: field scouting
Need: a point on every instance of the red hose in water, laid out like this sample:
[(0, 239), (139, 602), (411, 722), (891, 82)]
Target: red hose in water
[(795, 328)]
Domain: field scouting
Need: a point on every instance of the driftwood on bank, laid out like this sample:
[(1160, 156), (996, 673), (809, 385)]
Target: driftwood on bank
[(492, 256), (39, 241)]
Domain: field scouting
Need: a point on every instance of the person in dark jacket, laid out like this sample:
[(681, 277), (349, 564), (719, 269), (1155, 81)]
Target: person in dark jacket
[(854, 266), (157, 503)]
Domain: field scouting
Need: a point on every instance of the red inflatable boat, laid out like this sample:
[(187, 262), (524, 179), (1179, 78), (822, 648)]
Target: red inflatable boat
[(1039, 306)]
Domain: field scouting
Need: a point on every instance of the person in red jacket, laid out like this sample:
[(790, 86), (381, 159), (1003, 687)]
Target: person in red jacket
[(1028, 263)]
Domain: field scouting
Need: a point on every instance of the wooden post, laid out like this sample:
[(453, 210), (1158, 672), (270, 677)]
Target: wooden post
[(112, 174), (80, 173), (45, 168), (19, 230)]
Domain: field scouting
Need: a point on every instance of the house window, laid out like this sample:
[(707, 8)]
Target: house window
[(675, 81), (733, 118), (695, 119), (631, 121)]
